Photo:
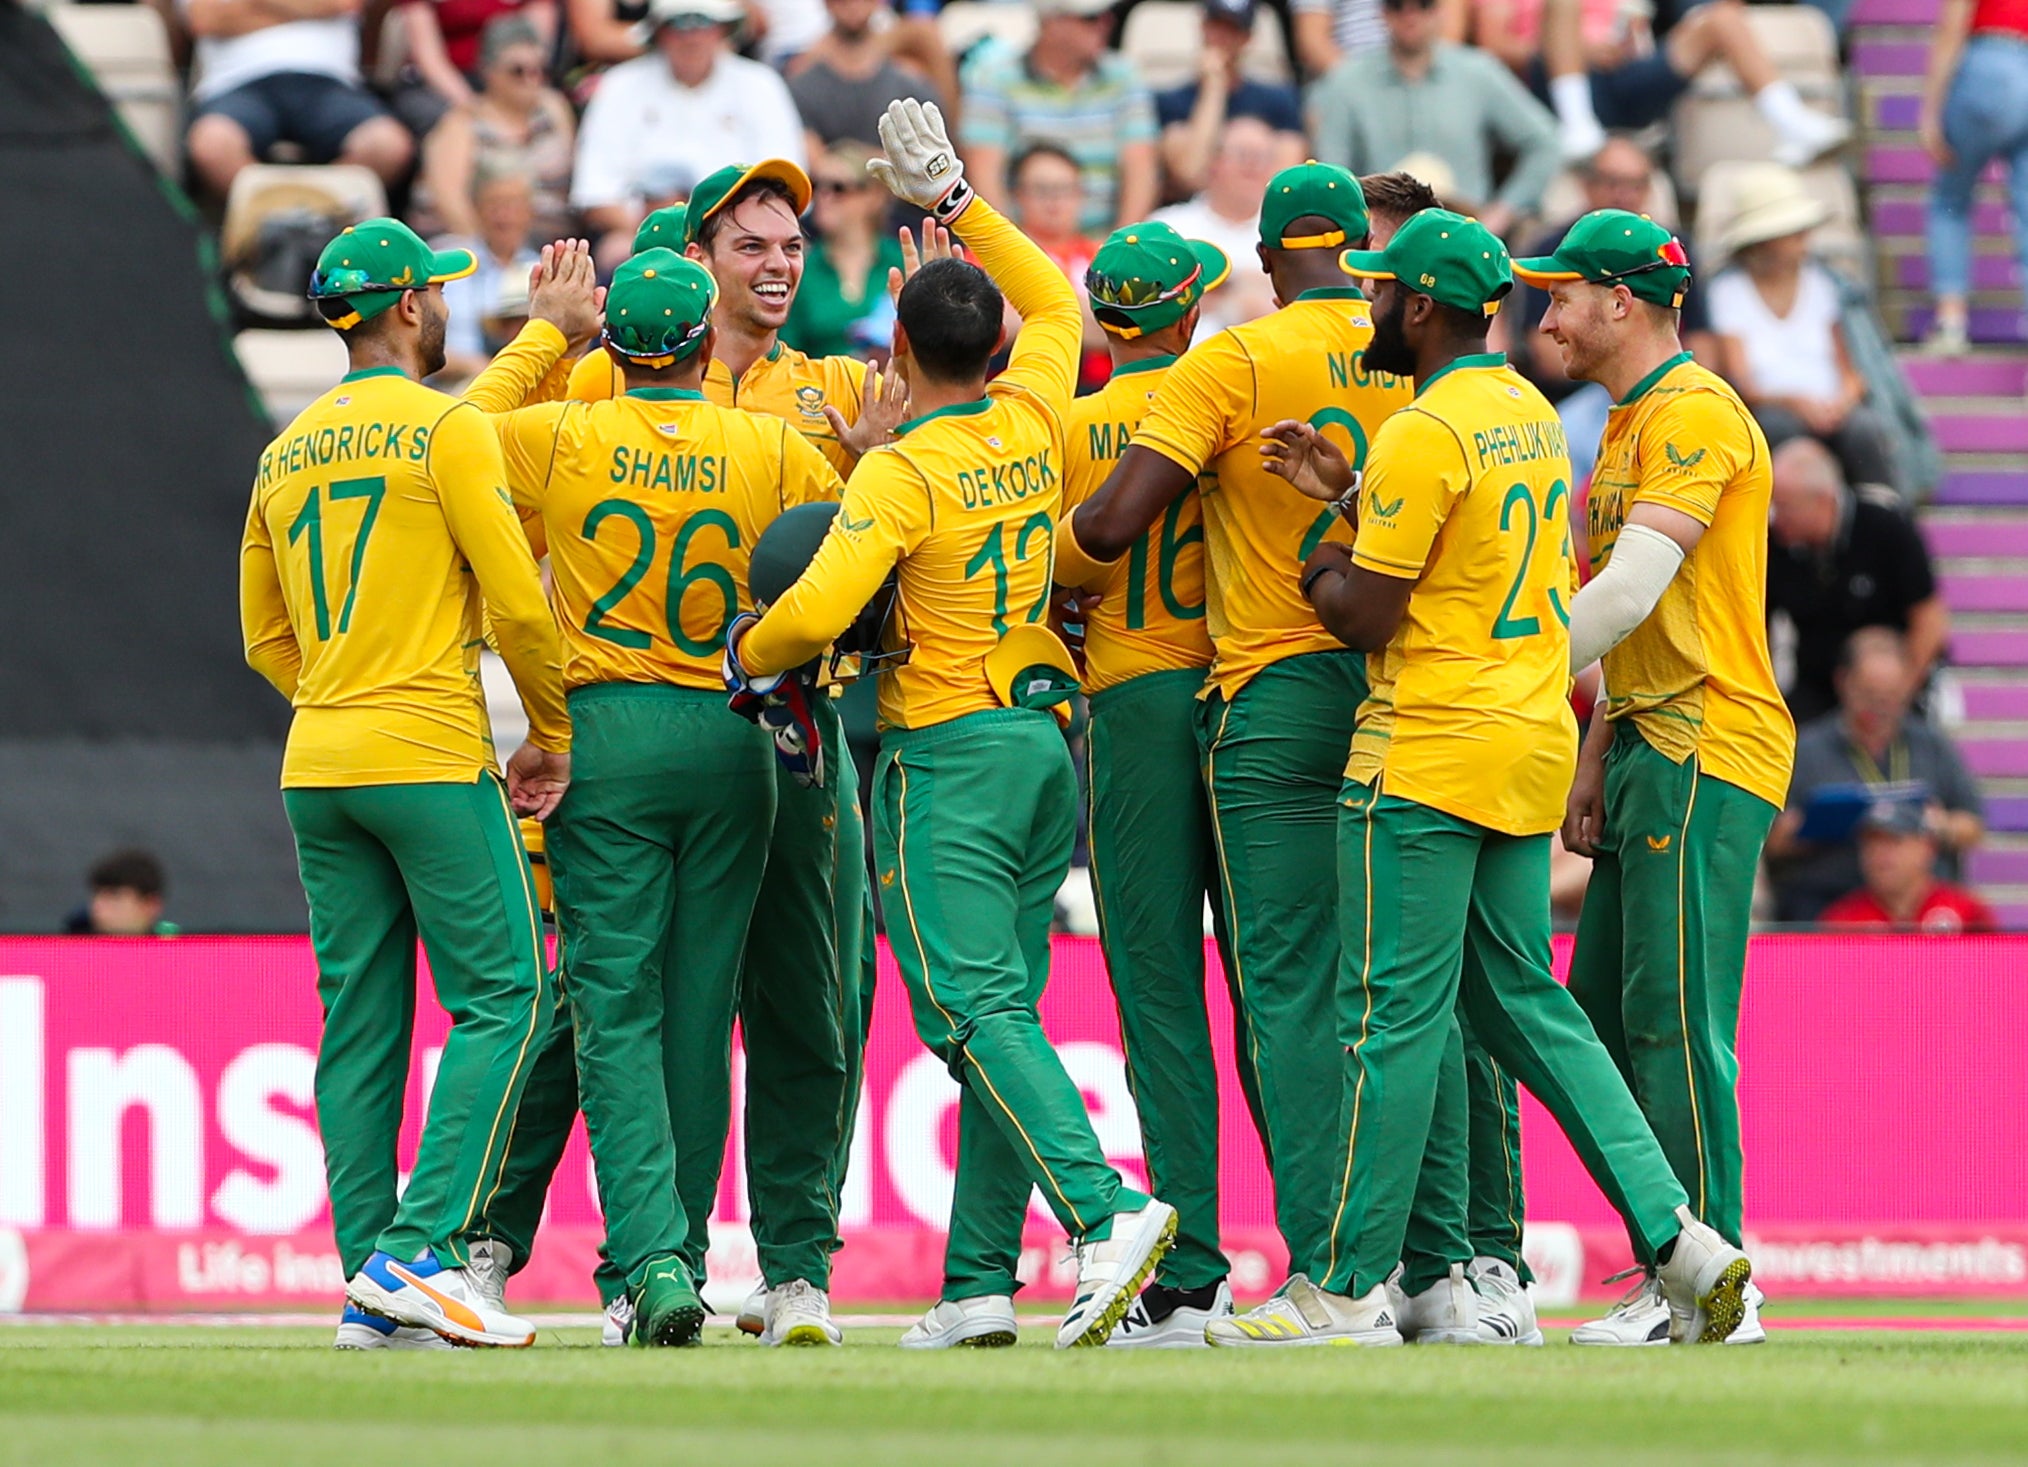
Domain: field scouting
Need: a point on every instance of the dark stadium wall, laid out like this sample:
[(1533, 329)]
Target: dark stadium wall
[(128, 440)]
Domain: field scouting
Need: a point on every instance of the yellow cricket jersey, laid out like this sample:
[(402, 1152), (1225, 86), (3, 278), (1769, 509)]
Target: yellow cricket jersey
[(650, 505), (1467, 493), (1150, 613), (380, 534), (1208, 415), (1696, 677), (784, 384), (965, 501)]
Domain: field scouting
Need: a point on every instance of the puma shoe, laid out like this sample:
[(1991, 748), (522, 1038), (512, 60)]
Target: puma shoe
[(1172, 1319), (1446, 1313), (1705, 1281), (985, 1323), (1303, 1314), (358, 1330), (1506, 1308), (667, 1310), (1111, 1270), (425, 1294), (799, 1313)]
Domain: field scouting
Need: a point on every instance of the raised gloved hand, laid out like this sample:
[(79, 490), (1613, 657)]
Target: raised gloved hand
[(920, 164)]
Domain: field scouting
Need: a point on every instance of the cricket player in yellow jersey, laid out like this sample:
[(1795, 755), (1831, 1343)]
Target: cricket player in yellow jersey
[(1275, 717), (1682, 776), (1458, 585), (976, 800), (379, 540), (1152, 858)]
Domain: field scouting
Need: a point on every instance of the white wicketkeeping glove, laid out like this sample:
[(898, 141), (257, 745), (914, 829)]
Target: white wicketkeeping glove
[(921, 166)]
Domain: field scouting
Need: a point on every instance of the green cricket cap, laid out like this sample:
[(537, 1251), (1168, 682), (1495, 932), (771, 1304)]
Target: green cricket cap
[(1614, 247), (721, 188), (1322, 190), (658, 307), (365, 269), (1147, 276), (1453, 260), (664, 227)]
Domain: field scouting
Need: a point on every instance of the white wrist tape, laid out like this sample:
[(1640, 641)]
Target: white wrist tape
[(1619, 598)]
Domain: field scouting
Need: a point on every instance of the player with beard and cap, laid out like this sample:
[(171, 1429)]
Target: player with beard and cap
[(1458, 584)]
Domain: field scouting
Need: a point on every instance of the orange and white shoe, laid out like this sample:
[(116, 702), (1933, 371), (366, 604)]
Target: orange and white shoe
[(425, 1294)]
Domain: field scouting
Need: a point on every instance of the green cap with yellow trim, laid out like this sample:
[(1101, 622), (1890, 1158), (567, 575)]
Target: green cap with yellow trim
[(1453, 260), (664, 227), (1312, 189), (721, 188), (366, 268), (1615, 247), (658, 308), (1147, 276)]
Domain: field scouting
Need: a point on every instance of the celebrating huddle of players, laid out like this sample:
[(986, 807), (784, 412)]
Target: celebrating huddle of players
[(1319, 576)]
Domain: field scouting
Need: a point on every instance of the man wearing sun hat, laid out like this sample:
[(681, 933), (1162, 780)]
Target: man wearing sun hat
[(1686, 768), (1153, 860), (1274, 718), (377, 549)]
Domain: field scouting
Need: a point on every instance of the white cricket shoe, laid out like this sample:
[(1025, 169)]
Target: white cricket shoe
[(424, 1294), (752, 1318), (799, 1313), (1640, 1318), (1303, 1314), (1705, 1282), (358, 1330), (1110, 1272), (1163, 1318), (1751, 1331), (985, 1323), (619, 1325), (1446, 1313), (492, 1261), (1506, 1308)]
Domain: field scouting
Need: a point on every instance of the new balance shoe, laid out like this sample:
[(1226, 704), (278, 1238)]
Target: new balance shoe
[(667, 1310), (1640, 1318), (1303, 1314), (358, 1330), (619, 1325), (1705, 1282), (985, 1323), (1111, 1270), (1445, 1313), (799, 1313), (1751, 1331), (752, 1318), (1506, 1308), (423, 1293), (1163, 1318), (491, 1262)]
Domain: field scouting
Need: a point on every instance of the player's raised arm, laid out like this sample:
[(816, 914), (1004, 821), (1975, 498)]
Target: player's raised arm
[(563, 316)]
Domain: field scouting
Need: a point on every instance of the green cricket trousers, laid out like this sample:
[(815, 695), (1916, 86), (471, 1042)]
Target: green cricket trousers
[(1420, 890), (1153, 865), (1661, 956), (1273, 758), (973, 829), (383, 865)]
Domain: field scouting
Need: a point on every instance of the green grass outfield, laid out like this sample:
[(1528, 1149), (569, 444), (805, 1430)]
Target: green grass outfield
[(254, 1396)]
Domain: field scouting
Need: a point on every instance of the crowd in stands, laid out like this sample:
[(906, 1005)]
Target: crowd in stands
[(507, 122)]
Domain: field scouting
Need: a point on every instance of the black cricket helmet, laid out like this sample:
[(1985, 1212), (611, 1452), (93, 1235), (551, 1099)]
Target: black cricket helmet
[(781, 555)]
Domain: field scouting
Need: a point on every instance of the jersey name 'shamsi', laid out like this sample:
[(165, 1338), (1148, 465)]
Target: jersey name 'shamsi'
[(328, 445), (989, 485), (677, 473)]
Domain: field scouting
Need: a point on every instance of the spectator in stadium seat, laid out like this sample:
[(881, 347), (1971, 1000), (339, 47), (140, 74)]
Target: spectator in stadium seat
[(1227, 214), (842, 307), (443, 41), (1601, 66), (843, 83), (602, 33), (689, 106), (1192, 117), (1872, 739), (517, 122), (1779, 318), (1325, 32), (126, 901), (285, 71), (488, 306), (1900, 890), (1838, 561), (1423, 94), (1070, 91), (1046, 191)]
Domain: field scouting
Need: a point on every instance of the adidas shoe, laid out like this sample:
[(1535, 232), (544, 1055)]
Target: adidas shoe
[(1303, 1314), (1705, 1282), (491, 1262), (358, 1330), (1163, 1318), (799, 1313), (1110, 1272), (752, 1318), (619, 1325), (1506, 1308), (1640, 1318), (667, 1310), (985, 1323), (424, 1294), (1446, 1313), (1751, 1331)]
